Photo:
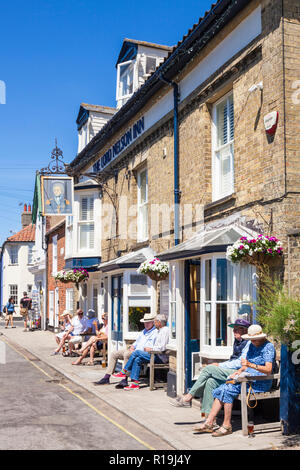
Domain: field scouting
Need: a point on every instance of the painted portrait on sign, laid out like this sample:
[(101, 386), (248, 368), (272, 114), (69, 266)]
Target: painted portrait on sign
[(57, 195)]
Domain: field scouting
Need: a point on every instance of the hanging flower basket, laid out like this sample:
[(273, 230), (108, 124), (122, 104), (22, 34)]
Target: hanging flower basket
[(260, 251), (75, 275), (155, 269)]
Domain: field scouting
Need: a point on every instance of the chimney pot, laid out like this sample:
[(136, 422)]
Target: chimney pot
[(25, 207)]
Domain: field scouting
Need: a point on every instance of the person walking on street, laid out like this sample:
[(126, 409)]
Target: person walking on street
[(25, 305), (9, 309)]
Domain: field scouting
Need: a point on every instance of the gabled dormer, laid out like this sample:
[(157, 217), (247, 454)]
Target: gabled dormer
[(91, 118), (136, 62)]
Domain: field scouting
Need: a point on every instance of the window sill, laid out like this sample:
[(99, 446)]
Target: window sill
[(220, 202)]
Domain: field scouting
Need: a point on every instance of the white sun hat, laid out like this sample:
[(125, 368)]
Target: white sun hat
[(254, 332)]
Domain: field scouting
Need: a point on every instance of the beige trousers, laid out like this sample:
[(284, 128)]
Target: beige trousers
[(123, 354)]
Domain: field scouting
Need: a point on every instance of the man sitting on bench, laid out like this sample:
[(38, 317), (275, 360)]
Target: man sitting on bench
[(138, 357)]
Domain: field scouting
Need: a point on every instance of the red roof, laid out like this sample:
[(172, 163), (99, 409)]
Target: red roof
[(27, 234)]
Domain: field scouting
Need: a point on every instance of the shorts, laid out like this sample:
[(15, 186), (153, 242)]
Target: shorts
[(75, 339), (24, 312)]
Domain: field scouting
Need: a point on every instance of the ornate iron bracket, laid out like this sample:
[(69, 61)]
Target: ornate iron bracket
[(56, 166)]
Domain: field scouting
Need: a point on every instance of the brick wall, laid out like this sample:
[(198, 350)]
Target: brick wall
[(52, 284)]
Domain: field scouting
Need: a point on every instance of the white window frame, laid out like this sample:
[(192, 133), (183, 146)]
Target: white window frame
[(88, 222), (142, 232), (30, 254), (13, 292), (69, 235), (213, 350), (217, 192), (70, 300), (13, 253), (119, 96), (54, 255)]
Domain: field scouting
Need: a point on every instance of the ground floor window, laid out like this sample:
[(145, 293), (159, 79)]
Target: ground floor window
[(70, 300), (13, 292), (216, 290)]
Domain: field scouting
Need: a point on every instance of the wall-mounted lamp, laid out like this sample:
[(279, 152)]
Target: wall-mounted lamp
[(257, 86)]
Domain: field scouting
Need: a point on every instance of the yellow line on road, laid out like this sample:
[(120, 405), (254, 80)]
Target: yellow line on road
[(107, 418), (83, 400)]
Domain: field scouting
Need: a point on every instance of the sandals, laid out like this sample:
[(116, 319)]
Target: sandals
[(222, 431), (203, 427), (90, 363)]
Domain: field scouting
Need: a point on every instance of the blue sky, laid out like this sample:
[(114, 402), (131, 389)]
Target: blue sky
[(55, 54)]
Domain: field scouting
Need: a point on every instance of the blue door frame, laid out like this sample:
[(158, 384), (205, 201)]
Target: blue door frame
[(117, 335), (191, 345)]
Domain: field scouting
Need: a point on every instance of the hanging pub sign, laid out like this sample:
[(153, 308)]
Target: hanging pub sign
[(57, 195)]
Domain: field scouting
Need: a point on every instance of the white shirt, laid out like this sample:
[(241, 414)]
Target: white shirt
[(161, 342), (79, 325)]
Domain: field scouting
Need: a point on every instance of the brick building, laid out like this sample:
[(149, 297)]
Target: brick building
[(185, 167), (60, 296)]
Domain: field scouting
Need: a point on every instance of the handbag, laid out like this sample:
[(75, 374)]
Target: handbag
[(4, 309), (23, 310)]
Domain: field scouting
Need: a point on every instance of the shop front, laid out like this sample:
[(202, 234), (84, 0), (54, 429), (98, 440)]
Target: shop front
[(126, 297), (213, 291)]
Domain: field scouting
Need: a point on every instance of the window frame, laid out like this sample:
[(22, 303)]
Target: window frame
[(88, 222), (54, 255), (142, 233), (216, 148), (213, 349), (16, 249), (15, 296), (119, 96)]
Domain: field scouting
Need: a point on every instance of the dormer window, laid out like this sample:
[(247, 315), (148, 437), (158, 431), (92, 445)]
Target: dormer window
[(125, 79), (151, 64)]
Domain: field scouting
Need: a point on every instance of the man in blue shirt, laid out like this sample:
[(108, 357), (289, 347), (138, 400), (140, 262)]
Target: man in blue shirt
[(213, 375), (145, 339)]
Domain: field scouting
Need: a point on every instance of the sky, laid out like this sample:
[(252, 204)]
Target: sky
[(54, 55)]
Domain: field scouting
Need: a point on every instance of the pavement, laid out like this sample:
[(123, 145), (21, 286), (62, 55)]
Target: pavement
[(149, 408)]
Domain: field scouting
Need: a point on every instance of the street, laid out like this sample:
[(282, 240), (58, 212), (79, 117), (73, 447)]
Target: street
[(40, 409)]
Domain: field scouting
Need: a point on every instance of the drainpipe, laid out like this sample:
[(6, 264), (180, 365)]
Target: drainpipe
[(176, 158)]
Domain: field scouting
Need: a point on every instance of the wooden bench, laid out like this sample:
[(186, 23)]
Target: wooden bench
[(274, 392), (153, 366)]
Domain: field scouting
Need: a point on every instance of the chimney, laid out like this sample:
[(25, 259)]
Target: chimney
[(26, 216)]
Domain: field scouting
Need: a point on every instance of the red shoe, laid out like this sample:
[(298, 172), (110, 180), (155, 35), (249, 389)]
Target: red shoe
[(120, 375), (132, 386)]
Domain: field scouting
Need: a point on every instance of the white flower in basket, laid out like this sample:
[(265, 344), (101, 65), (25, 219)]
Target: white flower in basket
[(256, 251), (154, 268)]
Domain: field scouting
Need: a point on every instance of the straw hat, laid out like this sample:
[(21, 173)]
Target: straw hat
[(148, 317), (254, 332), (65, 313)]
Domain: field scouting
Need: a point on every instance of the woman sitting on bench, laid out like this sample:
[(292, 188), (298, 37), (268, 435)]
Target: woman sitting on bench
[(260, 360), (95, 342)]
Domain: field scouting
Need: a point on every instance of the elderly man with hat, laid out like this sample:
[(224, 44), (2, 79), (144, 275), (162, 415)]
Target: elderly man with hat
[(140, 357), (145, 339), (213, 375)]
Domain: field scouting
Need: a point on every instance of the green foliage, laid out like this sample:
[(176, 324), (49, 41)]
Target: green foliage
[(278, 312)]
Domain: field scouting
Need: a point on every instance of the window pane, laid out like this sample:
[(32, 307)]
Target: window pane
[(126, 79), (245, 282), (143, 187), (221, 325), (135, 315), (207, 327), (13, 292), (150, 64), (221, 279), (208, 279), (138, 284)]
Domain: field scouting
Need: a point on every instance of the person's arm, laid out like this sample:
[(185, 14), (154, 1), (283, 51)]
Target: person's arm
[(264, 369)]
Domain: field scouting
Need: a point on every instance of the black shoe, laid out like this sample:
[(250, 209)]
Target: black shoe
[(102, 382), (122, 384)]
